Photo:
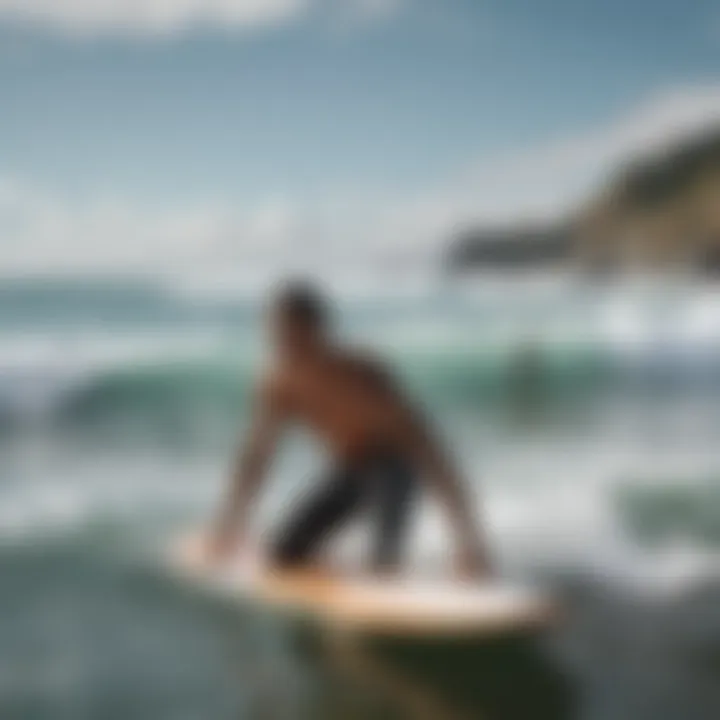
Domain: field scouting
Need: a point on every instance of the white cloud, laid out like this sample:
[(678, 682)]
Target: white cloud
[(45, 233), (550, 179), (147, 16), (169, 17)]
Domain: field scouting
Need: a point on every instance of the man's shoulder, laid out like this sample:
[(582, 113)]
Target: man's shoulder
[(369, 365), (362, 359), (271, 385)]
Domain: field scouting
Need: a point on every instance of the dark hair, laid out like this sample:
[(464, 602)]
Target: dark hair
[(303, 302)]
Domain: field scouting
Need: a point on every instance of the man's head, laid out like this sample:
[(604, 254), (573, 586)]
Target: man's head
[(299, 318)]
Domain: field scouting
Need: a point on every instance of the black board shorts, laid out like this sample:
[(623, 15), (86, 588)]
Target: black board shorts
[(380, 483)]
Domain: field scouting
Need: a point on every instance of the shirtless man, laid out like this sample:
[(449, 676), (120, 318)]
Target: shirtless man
[(377, 444)]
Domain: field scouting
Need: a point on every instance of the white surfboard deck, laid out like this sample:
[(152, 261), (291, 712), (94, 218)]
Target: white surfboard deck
[(402, 607)]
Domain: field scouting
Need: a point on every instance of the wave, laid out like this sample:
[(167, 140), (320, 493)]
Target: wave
[(159, 393), (174, 384), (166, 391), (672, 512)]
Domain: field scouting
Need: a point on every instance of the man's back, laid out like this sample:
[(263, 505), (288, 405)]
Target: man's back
[(348, 399)]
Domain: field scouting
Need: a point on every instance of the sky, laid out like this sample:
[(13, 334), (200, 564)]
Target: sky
[(211, 137)]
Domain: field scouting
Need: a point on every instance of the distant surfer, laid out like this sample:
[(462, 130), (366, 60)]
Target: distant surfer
[(378, 444)]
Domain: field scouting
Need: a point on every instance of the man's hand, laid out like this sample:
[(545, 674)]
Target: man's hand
[(223, 547), (228, 533), (473, 564), (209, 548)]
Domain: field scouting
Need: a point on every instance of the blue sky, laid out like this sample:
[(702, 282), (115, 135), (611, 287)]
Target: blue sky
[(274, 126)]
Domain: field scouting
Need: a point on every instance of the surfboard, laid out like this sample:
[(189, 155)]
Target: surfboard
[(403, 607), (429, 648)]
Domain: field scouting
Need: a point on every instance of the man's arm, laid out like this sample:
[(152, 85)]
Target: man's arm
[(250, 470), (427, 450), (473, 557)]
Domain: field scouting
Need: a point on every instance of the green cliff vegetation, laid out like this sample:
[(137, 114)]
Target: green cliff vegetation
[(659, 212)]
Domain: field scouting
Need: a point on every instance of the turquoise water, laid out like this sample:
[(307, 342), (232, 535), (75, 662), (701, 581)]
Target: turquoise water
[(586, 420)]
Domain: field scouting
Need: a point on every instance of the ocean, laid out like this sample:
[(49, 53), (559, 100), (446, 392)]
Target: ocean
[(586, 418)]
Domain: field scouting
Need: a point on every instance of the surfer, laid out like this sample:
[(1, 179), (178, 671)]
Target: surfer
[(378, 444)]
